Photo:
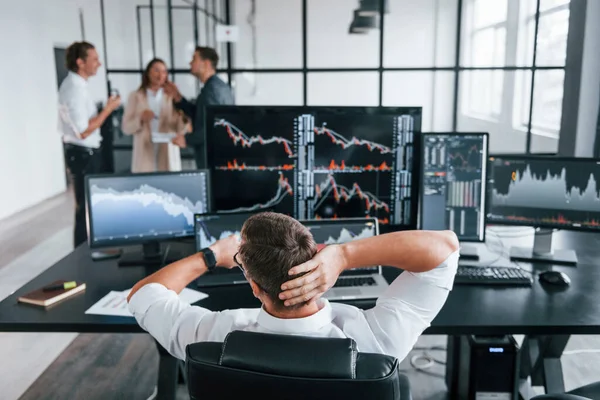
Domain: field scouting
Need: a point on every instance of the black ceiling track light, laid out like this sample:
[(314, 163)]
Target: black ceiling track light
[(370, 8), (366, 17), (361, 24)]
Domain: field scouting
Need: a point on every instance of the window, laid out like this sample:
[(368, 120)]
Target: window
[(420, 33), (253, 88), (485, 47), (509, 82), (343, 89), (551, 51), (485, 42), (329, 43), (266, 39), (434, 91)]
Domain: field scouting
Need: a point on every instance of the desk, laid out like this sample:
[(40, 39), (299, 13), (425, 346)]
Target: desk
[(535, 311)]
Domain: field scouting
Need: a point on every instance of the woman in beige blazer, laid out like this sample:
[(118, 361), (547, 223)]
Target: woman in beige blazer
[(150, 110)]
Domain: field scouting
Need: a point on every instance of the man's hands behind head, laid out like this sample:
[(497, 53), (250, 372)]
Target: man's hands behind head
[(325, 268)]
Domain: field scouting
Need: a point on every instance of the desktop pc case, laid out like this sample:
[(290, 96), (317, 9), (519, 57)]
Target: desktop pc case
[(488, 367)]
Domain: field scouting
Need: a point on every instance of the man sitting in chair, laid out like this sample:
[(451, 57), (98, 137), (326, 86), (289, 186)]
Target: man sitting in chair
[(286, 273)]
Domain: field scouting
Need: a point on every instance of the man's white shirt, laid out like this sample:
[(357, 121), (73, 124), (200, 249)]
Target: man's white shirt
[(392, 327), (76, 107)]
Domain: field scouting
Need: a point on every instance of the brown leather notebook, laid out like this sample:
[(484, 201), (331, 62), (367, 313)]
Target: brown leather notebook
[(44, 299)]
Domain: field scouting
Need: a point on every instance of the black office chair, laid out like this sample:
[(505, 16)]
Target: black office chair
[(269, 366), (587, 392)]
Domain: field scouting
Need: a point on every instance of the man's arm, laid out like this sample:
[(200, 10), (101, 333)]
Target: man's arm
[(413, 251), (186, 106), (77, 113), (178, 275), (157, 308), (410, 303)]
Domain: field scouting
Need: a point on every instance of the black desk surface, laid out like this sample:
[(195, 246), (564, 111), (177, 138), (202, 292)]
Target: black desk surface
[(469, 309)]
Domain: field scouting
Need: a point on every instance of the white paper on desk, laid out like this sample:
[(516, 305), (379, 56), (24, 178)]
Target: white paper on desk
[(162, 137), (115, 303)]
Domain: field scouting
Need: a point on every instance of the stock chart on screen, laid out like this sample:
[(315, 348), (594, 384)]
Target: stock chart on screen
[(545, 192), (453, 183), (212, 227), (342, 230), (315, 162), (140, 207)]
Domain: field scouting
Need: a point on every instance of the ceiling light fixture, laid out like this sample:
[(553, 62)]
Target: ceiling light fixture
[(362, 24)]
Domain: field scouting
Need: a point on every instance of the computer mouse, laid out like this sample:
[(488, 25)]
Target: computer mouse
[(555, 278)]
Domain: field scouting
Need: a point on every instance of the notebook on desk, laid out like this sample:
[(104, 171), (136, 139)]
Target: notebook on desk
[(43, 298)]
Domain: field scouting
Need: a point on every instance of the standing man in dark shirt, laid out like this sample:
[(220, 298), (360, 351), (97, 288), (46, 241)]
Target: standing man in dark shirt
[(214, 92)]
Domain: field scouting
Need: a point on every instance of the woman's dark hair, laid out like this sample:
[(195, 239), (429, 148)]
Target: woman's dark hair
[(146, 74)]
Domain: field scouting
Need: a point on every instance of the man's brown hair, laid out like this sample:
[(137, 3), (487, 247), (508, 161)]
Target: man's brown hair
[(75, 51), (210, 54), (271, 245)]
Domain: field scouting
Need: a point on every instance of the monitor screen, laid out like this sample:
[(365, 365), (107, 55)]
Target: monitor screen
[(453, 184), (137, 208), (545, 192), (213, 227), (340, 231), (316, 162)]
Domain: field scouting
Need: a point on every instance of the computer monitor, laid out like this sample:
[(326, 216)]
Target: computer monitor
[(316, 162), (211, 227), (343, 230), (546, 193), (145, 209), (453, 185)]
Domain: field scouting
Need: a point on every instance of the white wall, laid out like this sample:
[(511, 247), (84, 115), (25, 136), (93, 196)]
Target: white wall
[(31, 155)]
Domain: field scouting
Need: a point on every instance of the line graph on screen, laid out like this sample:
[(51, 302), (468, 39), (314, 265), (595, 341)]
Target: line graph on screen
[(346, 143), (343, 193), (244, 140), (284, 189)]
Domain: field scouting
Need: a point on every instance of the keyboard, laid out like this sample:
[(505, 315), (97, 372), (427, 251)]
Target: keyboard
[(358, 281), (507, 276)]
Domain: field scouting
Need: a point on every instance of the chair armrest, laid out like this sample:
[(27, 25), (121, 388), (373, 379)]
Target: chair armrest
[(561, 396)]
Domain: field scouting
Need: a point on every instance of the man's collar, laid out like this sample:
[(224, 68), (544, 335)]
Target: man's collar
[(78, 78), (297, 325)]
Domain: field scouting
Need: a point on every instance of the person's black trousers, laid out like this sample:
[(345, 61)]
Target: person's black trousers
[(81, 161)]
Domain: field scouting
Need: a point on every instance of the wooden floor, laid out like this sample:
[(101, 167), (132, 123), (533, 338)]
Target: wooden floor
[(48, 366)]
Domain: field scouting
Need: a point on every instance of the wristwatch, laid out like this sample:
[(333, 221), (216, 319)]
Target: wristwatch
[(209, 258)]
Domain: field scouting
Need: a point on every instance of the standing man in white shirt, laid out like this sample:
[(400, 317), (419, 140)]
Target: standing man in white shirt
[(80, 125), (279, 258)]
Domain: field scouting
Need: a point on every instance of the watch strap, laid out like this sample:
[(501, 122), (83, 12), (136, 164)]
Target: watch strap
[(209, 258)]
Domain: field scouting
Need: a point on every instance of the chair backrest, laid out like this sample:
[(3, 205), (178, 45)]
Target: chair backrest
[(269, 366)]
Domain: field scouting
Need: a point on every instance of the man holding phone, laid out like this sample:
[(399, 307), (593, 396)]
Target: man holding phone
[(80, 125)]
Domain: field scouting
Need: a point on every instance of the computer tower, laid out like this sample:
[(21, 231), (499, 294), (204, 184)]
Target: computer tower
[(488, 368)]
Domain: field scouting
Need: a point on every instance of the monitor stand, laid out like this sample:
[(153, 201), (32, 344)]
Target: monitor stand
[(542, 250), (150, 256), (469, 252)]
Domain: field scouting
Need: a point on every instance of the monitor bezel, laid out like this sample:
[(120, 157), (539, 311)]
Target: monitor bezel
[(416, 112), (485, 196), (525, 157), (136, 241)]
